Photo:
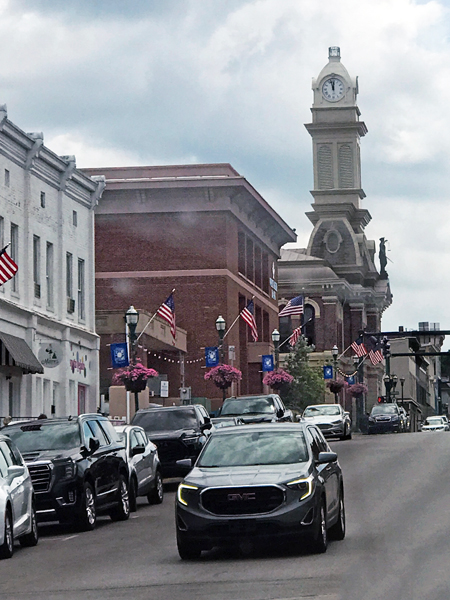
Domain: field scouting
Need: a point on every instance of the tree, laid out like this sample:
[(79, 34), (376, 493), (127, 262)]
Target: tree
[(308, 386)]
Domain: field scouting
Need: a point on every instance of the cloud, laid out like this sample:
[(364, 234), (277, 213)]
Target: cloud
[(147, 82)]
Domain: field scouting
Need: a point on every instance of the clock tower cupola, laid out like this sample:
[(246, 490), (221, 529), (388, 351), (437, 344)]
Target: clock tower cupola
[(337, 216)]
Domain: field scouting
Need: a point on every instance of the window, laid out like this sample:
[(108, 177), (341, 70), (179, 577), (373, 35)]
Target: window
[(74, 218), (14, 254), (69, 275), (81, 290), (6, 178), (49, 274), (37, 265), (42, 199)]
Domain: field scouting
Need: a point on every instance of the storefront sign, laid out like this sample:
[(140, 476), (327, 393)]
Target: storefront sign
[(50, 354)]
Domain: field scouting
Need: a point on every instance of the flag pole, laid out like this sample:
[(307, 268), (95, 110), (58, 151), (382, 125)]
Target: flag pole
[(234, 322), (301, 327), (150, 320)]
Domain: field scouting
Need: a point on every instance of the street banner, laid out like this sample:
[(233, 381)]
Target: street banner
[(328, 372), (211, 356), (350, 379), (119, 355), (267, 362)]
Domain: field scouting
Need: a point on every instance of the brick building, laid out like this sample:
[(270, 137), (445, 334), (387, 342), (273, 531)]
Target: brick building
[(205, 231)]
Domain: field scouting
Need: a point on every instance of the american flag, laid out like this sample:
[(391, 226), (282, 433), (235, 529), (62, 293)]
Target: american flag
[(8, 267), (375, 353), (293, 307), (358, 348), (248, 314), (167, 312), (294, 337)]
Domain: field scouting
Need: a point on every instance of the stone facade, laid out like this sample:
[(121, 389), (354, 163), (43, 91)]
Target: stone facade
[(46, 214)]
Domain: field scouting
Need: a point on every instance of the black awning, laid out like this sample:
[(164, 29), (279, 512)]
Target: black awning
[(16, 352)]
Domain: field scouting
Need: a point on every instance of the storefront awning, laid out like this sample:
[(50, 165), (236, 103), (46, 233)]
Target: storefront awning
[(16, 352)]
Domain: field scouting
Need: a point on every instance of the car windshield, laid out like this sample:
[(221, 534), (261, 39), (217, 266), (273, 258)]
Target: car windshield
[(254, 448), (166, 420), (433, 421), (385, 409), (34, 437), (247, 406), (316, 411)]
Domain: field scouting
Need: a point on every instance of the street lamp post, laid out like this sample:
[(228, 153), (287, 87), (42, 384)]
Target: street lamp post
[(359, 398), (334, 353), (390, 383), (221, 326), (402, 383), (131, 319), (276, 347)]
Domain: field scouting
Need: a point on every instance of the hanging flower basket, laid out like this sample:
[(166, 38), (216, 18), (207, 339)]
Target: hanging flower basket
[(335, 386), (357, 389), (134, 377), (276, 379), (223, 376)]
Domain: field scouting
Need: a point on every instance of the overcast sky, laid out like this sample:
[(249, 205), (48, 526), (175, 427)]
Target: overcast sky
[(132, 82)]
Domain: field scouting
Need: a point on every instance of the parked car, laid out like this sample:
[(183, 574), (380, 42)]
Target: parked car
[(332, 420), (261, 483), (404, 419), (435, 424), (17, 506), (144, 468), (177, 431), (384, 418), (78, 468), (256, 409)]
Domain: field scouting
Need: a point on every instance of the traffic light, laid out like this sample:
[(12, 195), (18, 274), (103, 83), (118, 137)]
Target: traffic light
[(386, 347), (381, 399)]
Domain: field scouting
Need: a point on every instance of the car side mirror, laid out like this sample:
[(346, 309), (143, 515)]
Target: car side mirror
[(137, 450), (280, 413), (94, 445), (326, 457), (15, 471), (205, 426), (185, 464)]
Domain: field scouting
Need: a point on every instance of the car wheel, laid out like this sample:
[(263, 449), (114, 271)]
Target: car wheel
[(87, 517), (133, 495), (188, 550), (31, 538), (319, 541), (122, 510), (337, 532), (156, 495), (349, 435), (7, 548)]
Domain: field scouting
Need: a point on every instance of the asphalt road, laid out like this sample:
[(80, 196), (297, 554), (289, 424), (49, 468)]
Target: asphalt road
[(397, 545)]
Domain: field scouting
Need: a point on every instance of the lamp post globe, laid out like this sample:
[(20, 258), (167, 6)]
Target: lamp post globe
[(220, 327), (276, 340)]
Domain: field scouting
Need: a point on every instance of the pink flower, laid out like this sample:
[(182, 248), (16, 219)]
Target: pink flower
[(136, 372), (357, 389), (275, 379), (336, 386), (223, 376)]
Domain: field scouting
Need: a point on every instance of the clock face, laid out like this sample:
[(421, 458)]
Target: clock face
[(333, 89)]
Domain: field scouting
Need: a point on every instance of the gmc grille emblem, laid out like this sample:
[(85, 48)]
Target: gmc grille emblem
[(241, 497)]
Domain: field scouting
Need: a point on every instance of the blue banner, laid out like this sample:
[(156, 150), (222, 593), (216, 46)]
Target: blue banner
[(267, 362), (119, 355), (212, 356), (351, 379), (328, 372)]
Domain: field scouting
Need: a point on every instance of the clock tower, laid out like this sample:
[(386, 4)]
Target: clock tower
[(337, 216)]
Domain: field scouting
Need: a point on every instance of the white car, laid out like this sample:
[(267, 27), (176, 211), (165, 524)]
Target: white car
[(17, 511), (435, 424), (331, 419), (143, 465)]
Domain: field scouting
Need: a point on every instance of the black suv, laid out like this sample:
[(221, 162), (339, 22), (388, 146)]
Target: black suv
[(384, 418), (178, 431), (77, 466), (256, 409)]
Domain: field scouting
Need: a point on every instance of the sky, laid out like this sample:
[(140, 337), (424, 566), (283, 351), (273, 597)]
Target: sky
[(154, 82)]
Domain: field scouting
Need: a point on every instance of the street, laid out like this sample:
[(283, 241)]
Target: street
[(398, 526)]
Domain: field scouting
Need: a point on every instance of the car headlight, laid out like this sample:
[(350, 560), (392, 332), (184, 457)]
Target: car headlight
[(394, 418), (371, 419), (304, 484), (191, 440), (184, 492), (68, 470), (337, 422)]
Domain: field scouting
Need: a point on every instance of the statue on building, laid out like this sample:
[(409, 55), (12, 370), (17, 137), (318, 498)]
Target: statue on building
[(383, 259)]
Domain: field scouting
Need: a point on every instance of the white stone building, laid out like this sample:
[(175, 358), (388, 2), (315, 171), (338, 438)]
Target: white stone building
[(49, 351)]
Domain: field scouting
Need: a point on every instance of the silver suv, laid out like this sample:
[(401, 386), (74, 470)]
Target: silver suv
[(332, 420)]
